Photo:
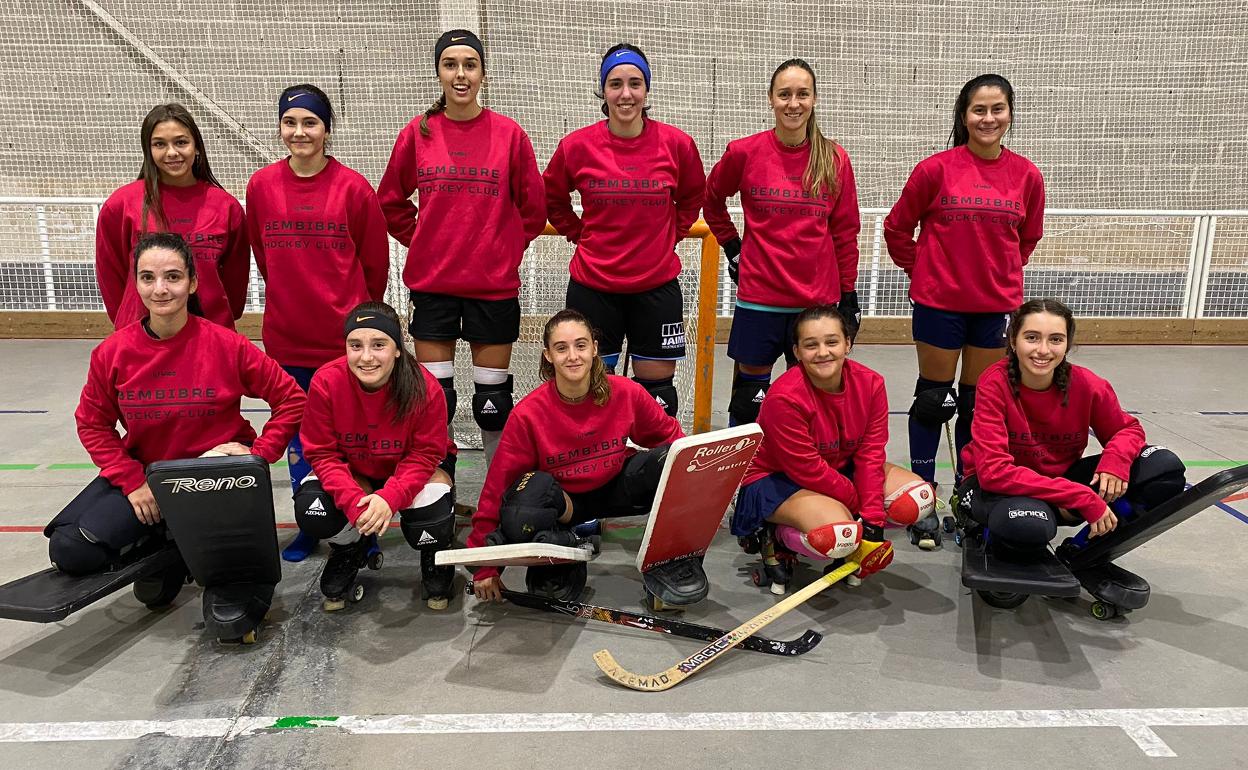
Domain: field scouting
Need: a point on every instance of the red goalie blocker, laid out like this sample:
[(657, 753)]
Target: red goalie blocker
[(700, 476)]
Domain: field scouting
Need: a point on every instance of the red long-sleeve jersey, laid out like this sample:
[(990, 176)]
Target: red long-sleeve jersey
[(639, 197), (347, 430), (1022, 446), (810, 435), (980, 221), (320, 243), (799, 249), (178, 398), (582, 445), (207, 217), (481, 203)]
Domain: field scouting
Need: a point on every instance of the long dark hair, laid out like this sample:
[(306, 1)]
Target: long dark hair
[(622, 47), (150, 174), (959, 135), (820, 171), (599, 386), (815, 312), (1061, 375), (177, 244), (407, 382)]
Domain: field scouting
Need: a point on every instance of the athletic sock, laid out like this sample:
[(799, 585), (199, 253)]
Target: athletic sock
[(740, 377)]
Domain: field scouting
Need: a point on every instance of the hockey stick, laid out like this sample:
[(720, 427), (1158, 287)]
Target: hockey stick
[(872, 554), (799, 646), (953, 455)]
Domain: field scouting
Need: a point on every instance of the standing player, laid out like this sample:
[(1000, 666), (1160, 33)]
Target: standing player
[(320, 242), (641, 184), (801, 232), (481, 204), (1032, 424), (980, 209), (565, 458), (175, 192), (820, 476), (375, 434), (175, 382)]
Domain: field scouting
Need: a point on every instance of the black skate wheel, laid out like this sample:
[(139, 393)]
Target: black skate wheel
[(357, 592), (949, 523), (757, 577), (1103, 610), (914, 536), (1002, 600), (375, 560)]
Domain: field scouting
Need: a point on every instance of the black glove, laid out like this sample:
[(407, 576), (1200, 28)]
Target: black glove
[(732, 255), (849, 308), (872, 532)]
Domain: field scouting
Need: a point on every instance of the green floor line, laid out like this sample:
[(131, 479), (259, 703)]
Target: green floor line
[(300, 723)]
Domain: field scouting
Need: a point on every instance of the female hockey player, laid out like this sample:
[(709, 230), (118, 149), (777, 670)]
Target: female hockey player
[(319, 238), (174, 381), (641, 184), (980, 208), (375, 434), (564, 457), (175, 192), (1032, 424), (481, 203), (820, 480), (801, 232)]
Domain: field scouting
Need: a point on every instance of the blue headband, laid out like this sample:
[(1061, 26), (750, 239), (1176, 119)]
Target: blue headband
[(623, 56), (305, 100)]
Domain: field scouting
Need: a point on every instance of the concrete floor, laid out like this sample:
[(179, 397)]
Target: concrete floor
[(1171, 678)]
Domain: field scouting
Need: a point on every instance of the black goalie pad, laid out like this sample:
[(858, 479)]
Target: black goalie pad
[(220, 512)]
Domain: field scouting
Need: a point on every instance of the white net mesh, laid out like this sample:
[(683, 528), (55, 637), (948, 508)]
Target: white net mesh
[(1122, 105)]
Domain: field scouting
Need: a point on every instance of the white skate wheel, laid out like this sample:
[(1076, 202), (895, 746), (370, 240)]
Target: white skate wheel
[(778, 589)]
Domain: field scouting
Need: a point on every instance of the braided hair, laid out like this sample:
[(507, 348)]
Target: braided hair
[(1062, 374)]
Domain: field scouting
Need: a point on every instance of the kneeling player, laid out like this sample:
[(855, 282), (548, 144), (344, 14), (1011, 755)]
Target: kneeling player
[(1025, 470), (564, 458), (820, 476), (375, 435), (175, 382)]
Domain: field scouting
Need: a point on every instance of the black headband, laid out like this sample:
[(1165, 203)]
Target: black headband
[(457, 37), (367, 320)]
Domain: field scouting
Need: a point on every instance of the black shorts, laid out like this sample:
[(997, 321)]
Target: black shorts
[(948, 330), (759, 337), (653, 321), (485, 321)]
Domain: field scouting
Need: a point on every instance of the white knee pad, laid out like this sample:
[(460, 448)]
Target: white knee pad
[(913, 501)]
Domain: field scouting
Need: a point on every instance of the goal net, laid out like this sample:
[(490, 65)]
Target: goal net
[(1130, 106)]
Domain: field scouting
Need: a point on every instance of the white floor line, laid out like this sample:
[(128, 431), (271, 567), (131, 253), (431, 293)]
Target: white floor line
[(1136, 723)]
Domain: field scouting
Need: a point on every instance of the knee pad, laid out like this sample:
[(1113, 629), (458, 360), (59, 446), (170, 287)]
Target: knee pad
[(747, 399), (935, 403), (966, 401), (664, 393), (315, 512), (1023, 521), (831, 541), (491, 404), (531, 505), (913, 502), (1156, 476), (429, 525), (452, 398), (73, 554), (642, 472)]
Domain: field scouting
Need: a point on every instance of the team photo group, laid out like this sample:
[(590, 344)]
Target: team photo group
[(362, 418)]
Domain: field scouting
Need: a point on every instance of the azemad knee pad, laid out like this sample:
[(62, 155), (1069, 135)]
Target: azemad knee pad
[(452, 398), (315, 512), (491, 404), (914, 501), (429, 525), (664, 393), (747, 399), (1023, 521), (935, 403), (533, 504)]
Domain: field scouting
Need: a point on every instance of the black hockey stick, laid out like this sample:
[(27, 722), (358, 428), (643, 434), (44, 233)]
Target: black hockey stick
[(799, 646)]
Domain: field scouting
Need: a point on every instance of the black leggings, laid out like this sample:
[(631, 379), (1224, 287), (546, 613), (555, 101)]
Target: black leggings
[(95, 529)]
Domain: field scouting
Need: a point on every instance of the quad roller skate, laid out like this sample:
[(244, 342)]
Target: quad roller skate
[(338, 580)]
